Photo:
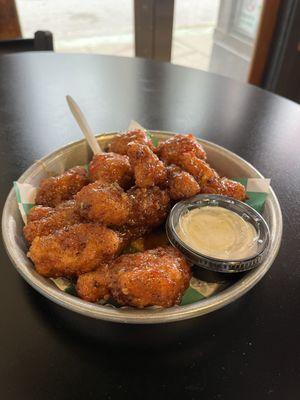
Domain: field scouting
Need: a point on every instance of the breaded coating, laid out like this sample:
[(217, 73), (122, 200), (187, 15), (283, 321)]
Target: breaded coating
[(148, 169), (39, 212), (198, 168), (181, 184), (74, 250), (106, 203), (155, 277), (110, 168), (213, 186), (120, 142), (52, 191), (233, 189), (150, 206), (226, 187), (45, 220), (132, 232), (93, 286), (170, 149)]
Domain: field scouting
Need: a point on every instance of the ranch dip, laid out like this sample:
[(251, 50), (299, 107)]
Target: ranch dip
[(217, 232)]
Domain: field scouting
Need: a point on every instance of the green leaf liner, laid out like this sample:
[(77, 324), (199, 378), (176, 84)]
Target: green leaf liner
[(153, 139), (190, 296), (71, 289)]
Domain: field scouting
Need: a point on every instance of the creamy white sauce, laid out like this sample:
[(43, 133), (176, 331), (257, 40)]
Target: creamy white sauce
[(218, 232)]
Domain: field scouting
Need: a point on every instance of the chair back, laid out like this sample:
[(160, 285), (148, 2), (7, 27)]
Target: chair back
[(42, 41)]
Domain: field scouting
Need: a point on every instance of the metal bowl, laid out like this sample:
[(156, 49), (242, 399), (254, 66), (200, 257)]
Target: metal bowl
[(76, 153)]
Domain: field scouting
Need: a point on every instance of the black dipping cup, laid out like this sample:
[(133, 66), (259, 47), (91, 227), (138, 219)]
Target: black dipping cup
[(214, 264)]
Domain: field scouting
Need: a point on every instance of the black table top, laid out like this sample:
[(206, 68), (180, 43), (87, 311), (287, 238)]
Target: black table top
[(247, 350)]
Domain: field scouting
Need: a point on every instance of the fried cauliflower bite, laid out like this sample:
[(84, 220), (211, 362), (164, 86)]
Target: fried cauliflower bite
[(186, 153), (45, 220), (225, 187), (119, 143), (233, 189), (213, 186), (148, 169), (198, 168), (74, 250), (106, 203), (39, 212), (150, 206), (181, 184), (170, 149), (93, 286), (52, 191), (110, 168), (132, 232), (155, 277)]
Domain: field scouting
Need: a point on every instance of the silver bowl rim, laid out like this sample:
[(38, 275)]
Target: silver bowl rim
[(136, 316)]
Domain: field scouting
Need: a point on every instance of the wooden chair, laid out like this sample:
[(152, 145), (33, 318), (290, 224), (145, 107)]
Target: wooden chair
[(42, 41)]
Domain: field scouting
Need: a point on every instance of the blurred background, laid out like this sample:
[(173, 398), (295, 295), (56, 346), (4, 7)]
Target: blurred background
[(254, 41)]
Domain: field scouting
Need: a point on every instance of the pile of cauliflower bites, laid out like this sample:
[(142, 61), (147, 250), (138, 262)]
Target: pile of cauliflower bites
[(83, 220)]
